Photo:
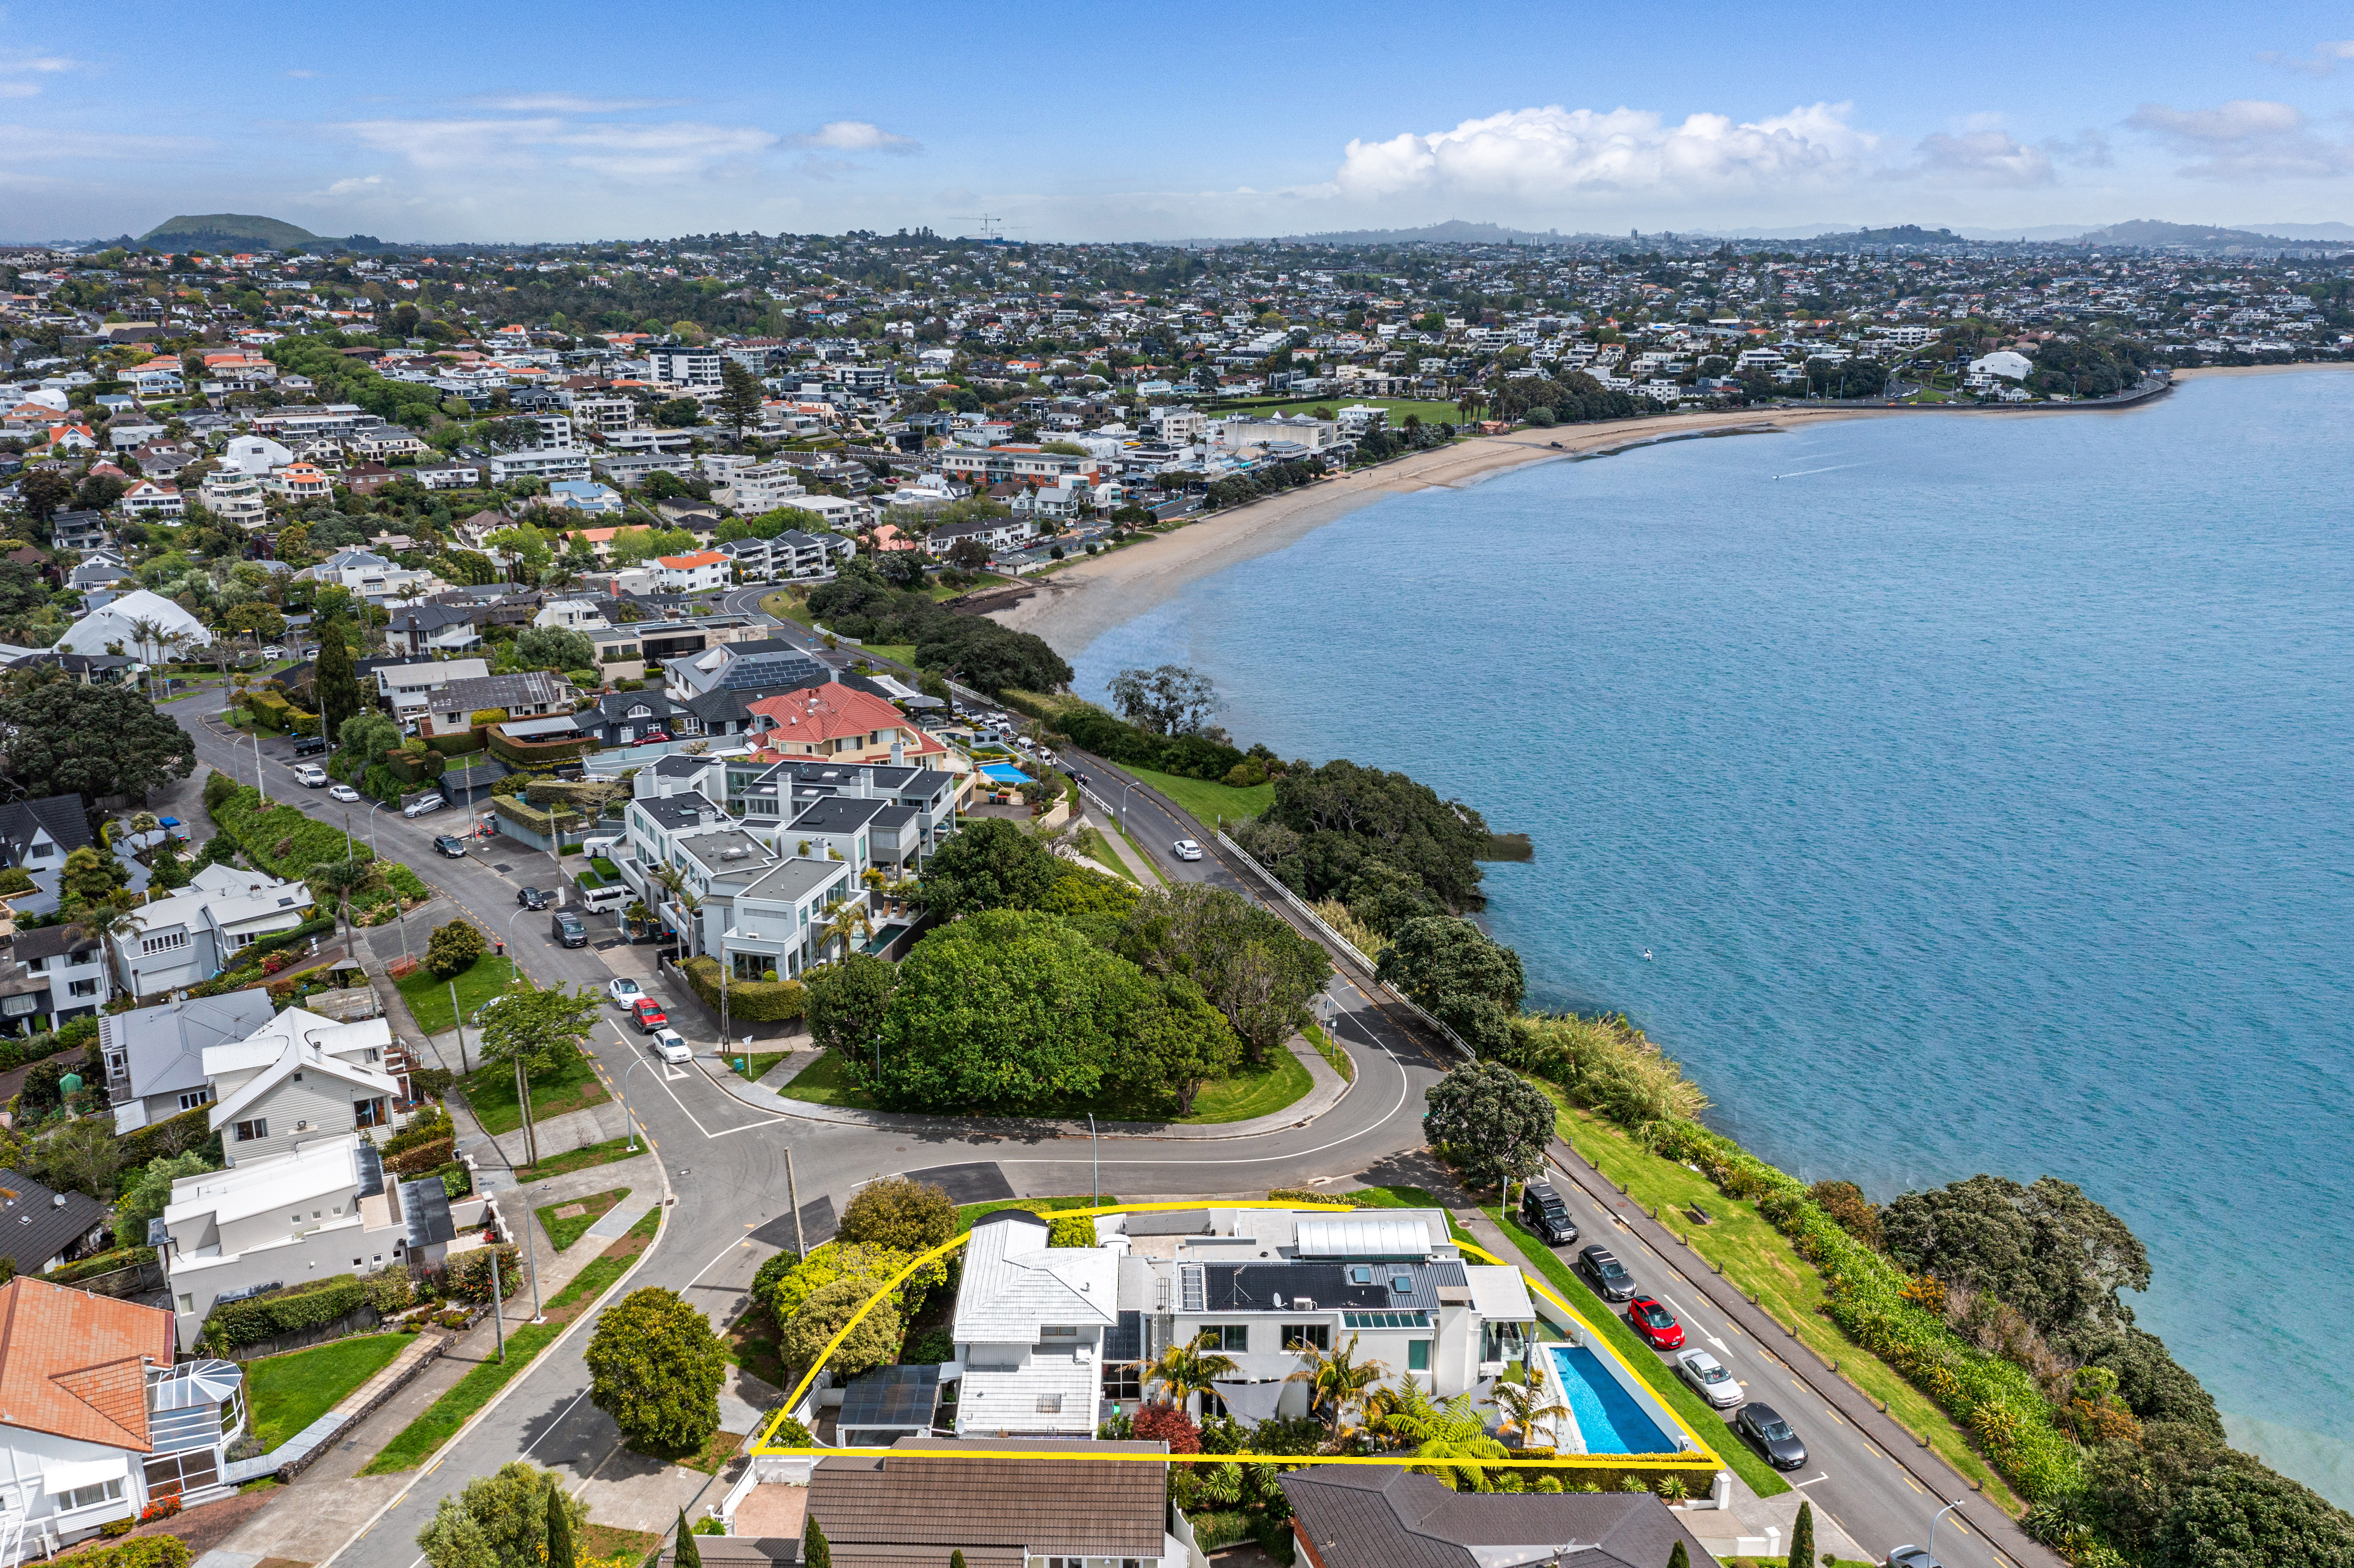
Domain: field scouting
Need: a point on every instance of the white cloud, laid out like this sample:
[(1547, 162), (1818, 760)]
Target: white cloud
[(857, 136), (2326, 58), (34, 144), (13, 66), (19, 89), (360, 185), (2246, 139), (614, 151), (1991, 158), (1536, 155)]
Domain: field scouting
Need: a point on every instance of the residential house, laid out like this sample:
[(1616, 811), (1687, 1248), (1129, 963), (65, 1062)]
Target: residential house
[(192, 935), (550, 463), (783, 802), (148, 498), (1385, 1516), (574, 615), (298, 481), (234, 497), (694, 573), (842, 724), (116, 627), (83, 531), (302, 1075), (793, 554), (425, 628), (1034, 1327), (38, 835), (457, 474), (530, 694), (627, 650), (401, 683), (624, 718), (766, 664), (97, 1420), (41, 1228), (757, 908), (371, 576), (156, 1056), (584, 496), (995, 534), (254, 455), (71, 964)]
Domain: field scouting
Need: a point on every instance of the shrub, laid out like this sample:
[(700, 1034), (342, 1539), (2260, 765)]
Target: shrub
[(903, 1215), (751, 1002), (311, 1305), (423, 1158), (1071, 1230), (1849, 1209), (469, 1273), (1167, 1424), (453, 949), (147, 1552)]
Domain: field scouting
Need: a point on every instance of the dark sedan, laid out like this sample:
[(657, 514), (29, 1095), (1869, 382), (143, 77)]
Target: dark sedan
[(531, 898), (1771, 1435), (1605, 1274), (454, 848)]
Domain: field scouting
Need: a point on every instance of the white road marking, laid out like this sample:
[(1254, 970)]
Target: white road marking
[(1824, 1477)]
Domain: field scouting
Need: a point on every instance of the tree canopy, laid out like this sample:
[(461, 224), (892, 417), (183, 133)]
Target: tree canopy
[(657, 1368), (1459, 975), (1345, 817), (2056, 1255), (63, 739), (1494, 1122), (544, 1028), (1246, 960), (989, 863)]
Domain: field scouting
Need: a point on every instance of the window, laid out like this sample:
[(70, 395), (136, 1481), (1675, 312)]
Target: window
[(195, 1098), (83, 988), (1418, 1355), (1124, 1380), (1385, 1319), (368, 1112), (1229, 1337), (1360, 1274), (1067, 1332), (247, 1131), (167, 942), (1316, 1336), (91, 1495)]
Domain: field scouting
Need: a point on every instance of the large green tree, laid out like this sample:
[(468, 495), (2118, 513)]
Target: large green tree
[(2054, 1255), (740, 394), (146, 1194), (988, 863), (848, 1002), (1493, 1122), (544, 1028), (338, 687), (1175, 1042), (655, 1367), (1004, 1010), (555, 648), (1458, 974), (1247, 960), (905, 1216), (1346, 815), (61, 739), (499, 1521)]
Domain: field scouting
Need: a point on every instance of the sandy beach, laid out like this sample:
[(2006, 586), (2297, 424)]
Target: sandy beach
[(1072, 607), (2199, 370)]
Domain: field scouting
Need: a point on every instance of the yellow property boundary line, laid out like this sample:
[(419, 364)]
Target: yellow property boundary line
[(1705, 1456)]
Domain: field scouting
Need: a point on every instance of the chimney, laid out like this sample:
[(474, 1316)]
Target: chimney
[(899, 752), (666, 784), (865, 782)]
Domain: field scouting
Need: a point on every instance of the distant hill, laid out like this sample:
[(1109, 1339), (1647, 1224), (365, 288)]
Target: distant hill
[(226, 232), (2154, 235), (1454, 231)]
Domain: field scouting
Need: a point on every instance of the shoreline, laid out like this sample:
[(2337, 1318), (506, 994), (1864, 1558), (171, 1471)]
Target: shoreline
[(2304, 365), (1061, 608)]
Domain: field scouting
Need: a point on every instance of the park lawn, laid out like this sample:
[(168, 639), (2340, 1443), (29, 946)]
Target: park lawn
[(1431, 413), (1209, 803), (1763, 1478), (1098, 847), (1247, 1094), (1743, 1245), (898, 652), (588, 1157), (491, 1094), (563, 1230), (416, 1443), (755, 1067), (428, 999), (289, 1391)]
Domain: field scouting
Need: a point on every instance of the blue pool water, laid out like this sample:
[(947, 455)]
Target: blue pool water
[(1948, 795), (1005, 773), (1606, 1414)]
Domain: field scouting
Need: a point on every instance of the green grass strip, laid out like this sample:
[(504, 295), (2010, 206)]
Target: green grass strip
[(416, 1442), (1763, 1478), (563, 1232)]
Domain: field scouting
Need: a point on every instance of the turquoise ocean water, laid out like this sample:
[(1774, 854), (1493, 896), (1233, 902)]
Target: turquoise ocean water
[(1981, 791)]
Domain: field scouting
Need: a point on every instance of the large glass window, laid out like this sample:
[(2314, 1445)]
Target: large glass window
[(1232, 1337), (1418, 1355), (1315, 1336)]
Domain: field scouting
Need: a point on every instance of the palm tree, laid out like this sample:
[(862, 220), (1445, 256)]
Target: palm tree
[(1524, 1404), (343, 878), (847, 922), (1337, 1381), (1187, 1369)]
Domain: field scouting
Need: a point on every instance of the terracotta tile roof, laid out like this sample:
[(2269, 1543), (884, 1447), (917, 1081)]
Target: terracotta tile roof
[(74, 1364), (831, 712)]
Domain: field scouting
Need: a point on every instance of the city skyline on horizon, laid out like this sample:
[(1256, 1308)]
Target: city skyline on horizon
[(460, 128)]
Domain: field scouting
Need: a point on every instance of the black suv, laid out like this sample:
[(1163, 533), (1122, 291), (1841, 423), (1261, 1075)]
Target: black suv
[(455, 848), (531, 898), (1544, 1214), (1605, 1274), (569, 929), (310, 745)]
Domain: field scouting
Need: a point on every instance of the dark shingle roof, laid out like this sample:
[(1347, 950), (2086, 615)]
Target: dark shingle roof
[(909, 1497), (60, 814), (1372, 1516), (35, 1227)]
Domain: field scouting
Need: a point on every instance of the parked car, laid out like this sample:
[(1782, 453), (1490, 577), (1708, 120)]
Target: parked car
[(1912, 1557), (1655, 1323), (1544, 1214), (311, 775), (273, 652), (648, 1014), (569, 929), (342, 792), (670, 1046), (624, 991), (1187, 850), (454, 848), (531, 898), (651, 738), (1605, 1274), (310, 746), (423, 804), (1771, 1435), (1709, 1378)]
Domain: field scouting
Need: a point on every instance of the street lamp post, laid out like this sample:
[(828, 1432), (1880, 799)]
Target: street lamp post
[(631, 1115), (260, 782), (1933, 1527), (522, 1084)]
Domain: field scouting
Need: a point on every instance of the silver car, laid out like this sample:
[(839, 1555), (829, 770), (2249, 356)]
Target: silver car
[(1709, 1378), (1912, 1557)]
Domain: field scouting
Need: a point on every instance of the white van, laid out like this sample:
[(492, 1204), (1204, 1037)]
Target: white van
[(597, 900), (592, 848)]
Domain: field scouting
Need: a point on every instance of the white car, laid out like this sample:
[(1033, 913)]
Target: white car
[(273, 652), (342, 792), (312, 775), (1188, 850), (670, 1046), (1709, 1378), (423, 804), (624, 993)]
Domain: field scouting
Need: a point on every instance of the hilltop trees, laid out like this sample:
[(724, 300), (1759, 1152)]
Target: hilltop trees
[(62, 739)]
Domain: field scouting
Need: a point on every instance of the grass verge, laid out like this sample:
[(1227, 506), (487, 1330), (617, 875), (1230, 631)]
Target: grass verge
[(1332, 1052), (603, 1542), (428, 999), (898, 652), (1206, 802), (563, 1230), (288, 1393), (1098, 847), (416, 1442), (967, 1214), (755, 1067), (1763, 1478), (1743, 1245), (586, 1158), (491, 1094), (1249, 1093)]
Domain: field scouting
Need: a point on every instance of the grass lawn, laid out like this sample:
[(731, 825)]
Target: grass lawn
[(756, 1065), (289, 1391), (969, 1214), (1755, 1257), (416, 1441), (898, 652), (713, 1454), (428, 999), (827, 1081), (1330, 1050), (1399, 407), (605, 1541), (1094, 845), (1206, 802), (491, 1094), (565, 1229), (785, 607), (582, 1159), (1763, 1478)]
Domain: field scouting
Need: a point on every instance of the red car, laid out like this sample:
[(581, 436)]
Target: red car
[(651, 738), (1655, 1323), (648, 1015)]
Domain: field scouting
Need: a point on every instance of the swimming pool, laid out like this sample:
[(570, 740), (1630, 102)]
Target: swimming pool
[(1608, 1415), (1005, 773)]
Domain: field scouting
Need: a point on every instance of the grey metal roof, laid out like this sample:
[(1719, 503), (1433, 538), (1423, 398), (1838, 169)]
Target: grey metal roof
[(837, 815), (1374, 1516), (1254, 1286), (37, 1224), (425, 1206), (163, 1045)]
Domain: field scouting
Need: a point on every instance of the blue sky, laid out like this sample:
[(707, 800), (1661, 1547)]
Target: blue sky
[(428, 121)]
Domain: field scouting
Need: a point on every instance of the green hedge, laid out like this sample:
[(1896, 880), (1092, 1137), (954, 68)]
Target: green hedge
[(537, 753), (32, 1048), (143, 1551), (1092, 729), (311, 1305), (99, 1263), (752, 1002), (260, 832)]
